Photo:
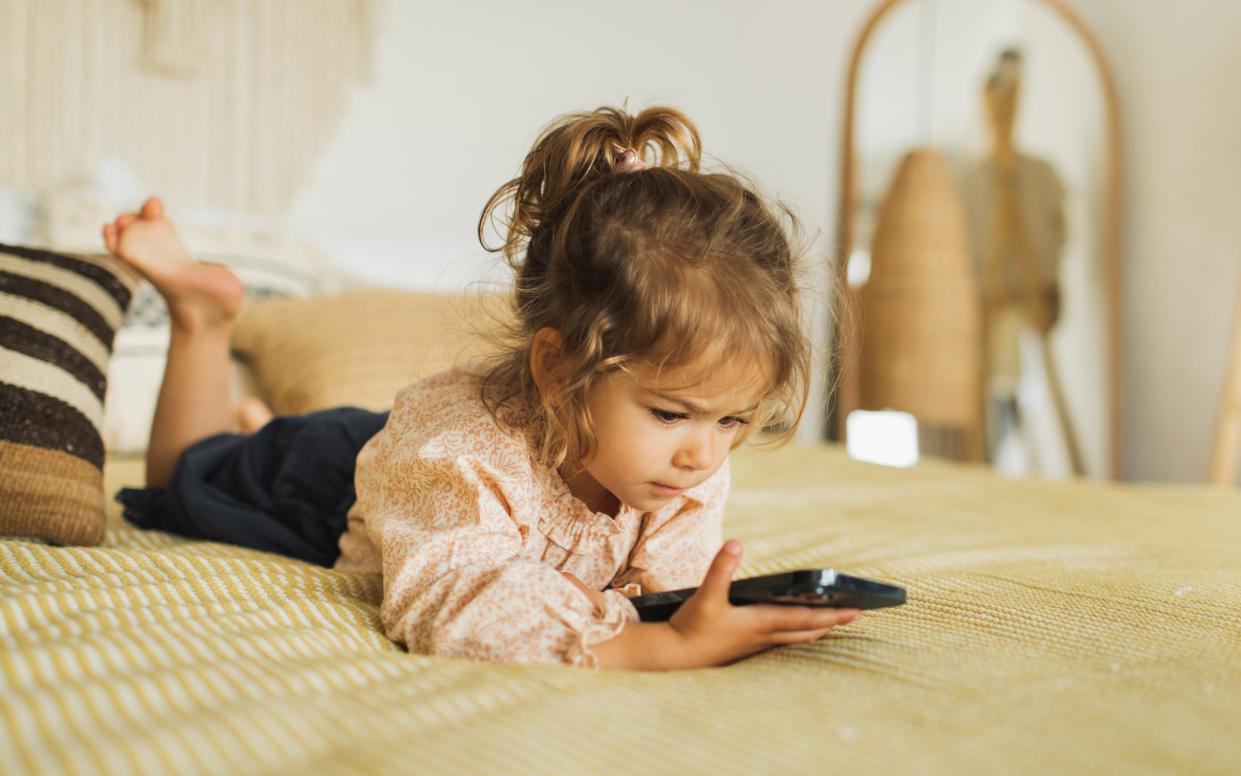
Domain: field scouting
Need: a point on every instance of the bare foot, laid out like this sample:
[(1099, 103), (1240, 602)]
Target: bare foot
[(198, 295), (252, 414)]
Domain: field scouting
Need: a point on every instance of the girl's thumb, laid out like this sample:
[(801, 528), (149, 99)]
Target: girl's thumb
[(720, 575)]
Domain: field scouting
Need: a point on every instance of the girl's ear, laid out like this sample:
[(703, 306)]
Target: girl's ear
[(546, 352)]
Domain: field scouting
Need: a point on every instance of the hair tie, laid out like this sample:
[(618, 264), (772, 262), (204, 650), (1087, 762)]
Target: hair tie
[(629, 160)]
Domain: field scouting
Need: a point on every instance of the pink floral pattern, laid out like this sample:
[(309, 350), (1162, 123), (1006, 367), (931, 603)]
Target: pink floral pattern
[(470, 534)]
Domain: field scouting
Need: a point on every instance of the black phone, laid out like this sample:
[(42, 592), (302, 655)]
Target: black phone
[(805, 587)]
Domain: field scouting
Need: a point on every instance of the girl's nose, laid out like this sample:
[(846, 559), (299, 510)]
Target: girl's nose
[(694, 454)]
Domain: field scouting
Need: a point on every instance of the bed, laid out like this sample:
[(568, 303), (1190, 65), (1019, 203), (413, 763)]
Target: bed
[(1050, 627)]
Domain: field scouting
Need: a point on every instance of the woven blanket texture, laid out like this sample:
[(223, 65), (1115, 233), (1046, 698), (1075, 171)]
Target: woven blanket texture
[(1050, 627)]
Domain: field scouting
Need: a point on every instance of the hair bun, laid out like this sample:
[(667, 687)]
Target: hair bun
[(576, 149)]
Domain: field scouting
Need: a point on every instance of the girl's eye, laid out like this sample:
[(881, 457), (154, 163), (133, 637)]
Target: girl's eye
[(664, 416), (667, 417)]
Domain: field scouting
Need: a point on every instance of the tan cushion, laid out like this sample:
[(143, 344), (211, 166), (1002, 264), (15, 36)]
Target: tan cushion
[(358, 348), (58, 317)]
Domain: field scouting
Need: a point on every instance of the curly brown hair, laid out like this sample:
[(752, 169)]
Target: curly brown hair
[(664, 266)]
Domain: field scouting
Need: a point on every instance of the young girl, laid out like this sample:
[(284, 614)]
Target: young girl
[(513, 507)]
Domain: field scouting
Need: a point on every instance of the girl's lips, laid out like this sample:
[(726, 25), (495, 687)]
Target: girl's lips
[(666, 490)]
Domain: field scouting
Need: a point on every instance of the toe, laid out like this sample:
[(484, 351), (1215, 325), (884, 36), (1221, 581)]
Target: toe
[(253, 414), (153, 208)]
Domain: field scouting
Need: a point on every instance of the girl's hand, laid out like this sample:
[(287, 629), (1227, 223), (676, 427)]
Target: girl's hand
[(714, 632)]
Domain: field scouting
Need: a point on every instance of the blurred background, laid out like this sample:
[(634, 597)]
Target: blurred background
[(338, 143)]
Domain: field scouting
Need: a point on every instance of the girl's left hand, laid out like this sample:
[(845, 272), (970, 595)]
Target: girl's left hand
[(595, 596)]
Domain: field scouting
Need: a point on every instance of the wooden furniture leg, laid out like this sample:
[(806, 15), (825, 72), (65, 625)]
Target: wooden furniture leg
[(1227, 452)]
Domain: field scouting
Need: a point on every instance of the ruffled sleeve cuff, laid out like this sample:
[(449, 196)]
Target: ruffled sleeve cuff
[(609, 623)]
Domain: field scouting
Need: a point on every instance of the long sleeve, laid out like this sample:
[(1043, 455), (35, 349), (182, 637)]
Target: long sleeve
[(454, 582), (674, 550)]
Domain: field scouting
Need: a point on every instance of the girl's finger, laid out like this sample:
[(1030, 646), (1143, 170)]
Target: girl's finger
[(798, 637), (109, 237), (124, 219), (774, 617), (720, 575)]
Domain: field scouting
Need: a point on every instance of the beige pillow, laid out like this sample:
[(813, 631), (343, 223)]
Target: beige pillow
[(359, 348)]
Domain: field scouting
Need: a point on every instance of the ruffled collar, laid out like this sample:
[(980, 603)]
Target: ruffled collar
[(573, 525), (569, 522)]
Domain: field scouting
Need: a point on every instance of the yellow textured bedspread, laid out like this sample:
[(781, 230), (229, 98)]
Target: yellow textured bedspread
[(1050, 627)]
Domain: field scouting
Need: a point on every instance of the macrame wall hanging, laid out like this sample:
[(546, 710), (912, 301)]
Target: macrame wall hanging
[(216, 103)]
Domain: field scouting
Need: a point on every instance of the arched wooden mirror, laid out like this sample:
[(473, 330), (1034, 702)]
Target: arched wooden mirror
[(979, 238)]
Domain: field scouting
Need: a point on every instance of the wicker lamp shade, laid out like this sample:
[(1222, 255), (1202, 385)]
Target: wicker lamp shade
[(920, 312)]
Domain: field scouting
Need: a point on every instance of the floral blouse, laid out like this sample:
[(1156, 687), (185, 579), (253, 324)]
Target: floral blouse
[(471, 533)]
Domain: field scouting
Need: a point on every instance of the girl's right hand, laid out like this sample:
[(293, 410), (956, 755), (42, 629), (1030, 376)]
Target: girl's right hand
[(713, 632)]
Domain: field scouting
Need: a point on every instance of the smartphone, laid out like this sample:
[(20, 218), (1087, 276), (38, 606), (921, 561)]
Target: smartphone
[(806, 587)]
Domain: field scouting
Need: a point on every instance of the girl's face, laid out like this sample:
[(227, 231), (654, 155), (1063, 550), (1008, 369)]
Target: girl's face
[(655, 440)]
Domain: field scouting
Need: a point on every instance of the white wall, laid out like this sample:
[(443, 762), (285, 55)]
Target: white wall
[(461, 90), (1176, 66)]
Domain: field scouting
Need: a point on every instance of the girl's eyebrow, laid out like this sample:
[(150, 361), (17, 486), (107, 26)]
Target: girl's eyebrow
[(694, 407)]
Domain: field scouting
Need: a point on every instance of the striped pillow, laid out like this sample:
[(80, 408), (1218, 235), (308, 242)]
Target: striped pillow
[(58, 316)]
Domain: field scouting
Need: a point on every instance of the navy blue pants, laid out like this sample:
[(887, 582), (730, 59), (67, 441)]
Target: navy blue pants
[(287, 488)]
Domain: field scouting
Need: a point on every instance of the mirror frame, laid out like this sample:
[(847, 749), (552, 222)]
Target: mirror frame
[(843, 367)]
